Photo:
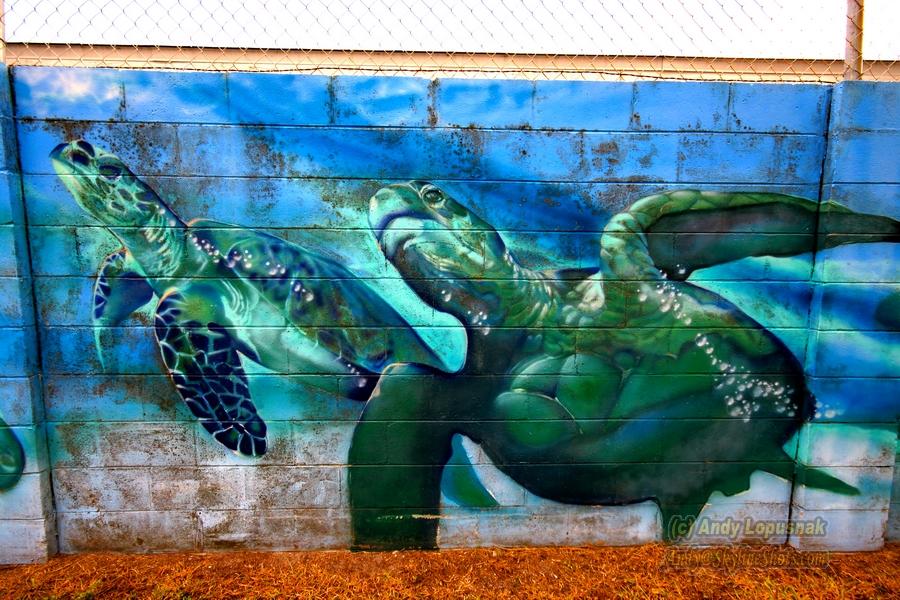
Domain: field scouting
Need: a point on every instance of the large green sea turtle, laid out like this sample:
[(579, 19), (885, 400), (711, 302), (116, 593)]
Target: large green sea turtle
[(612, 385), (226, 294), (12, 457)]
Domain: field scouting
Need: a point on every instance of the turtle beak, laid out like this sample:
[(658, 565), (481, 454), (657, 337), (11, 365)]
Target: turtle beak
[(73, 157), (56, 153), (394, 202), (58, 159)]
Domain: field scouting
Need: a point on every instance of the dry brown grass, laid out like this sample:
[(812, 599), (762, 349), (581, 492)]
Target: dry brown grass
[(634, 572)]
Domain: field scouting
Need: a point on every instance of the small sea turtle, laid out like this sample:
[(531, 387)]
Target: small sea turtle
[(12, 457), (613, 385), (226, 292)]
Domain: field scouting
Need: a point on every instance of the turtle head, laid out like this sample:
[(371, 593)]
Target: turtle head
[(103, 186), (446, 253)]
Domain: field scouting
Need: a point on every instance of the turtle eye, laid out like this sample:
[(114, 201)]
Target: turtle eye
[(80, 158), (432, 196), (110, 172)]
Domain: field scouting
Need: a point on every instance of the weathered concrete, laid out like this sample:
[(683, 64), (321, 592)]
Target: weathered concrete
[(547, 164)]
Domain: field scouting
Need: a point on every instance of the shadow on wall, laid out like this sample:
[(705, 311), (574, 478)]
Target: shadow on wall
[(616, 382)]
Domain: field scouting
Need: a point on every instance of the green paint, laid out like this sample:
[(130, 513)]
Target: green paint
[(229, 294), (12, 457), (578, 387), (611, 385)]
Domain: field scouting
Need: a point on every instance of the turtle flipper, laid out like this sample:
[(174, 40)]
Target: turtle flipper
[(819, 479), (204, 363), (460, 482), (681, 231), (678, 519), (397, 458), (12, 457), (119, 290)]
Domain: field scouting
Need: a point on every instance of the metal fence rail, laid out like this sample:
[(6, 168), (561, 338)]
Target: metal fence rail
[(744, 40)]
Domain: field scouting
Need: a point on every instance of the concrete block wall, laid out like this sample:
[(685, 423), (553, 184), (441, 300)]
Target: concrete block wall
[(546, 165), (863, 173), (26, 508)]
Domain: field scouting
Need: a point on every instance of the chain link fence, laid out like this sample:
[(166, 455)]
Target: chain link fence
[(743, 40)]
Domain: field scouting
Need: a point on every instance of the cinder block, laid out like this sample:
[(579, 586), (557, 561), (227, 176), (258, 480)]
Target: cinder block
[(29, 499), (859, 263), (192, 488), (873, 483), (26, 541), (121, 444), (321, 442), (863, 156), (280, 450), (679, 106), (119, 398), (866, 105), (277, 487), (779, 108), (840, 530), (893, 526), (126, 351), (20, 400), (170, 96), (382, 102), (11, 210), (131, 531), (34, 444), (487, 104), (304, 529), (15, 302), (560, 525), (747, 523), (35, 99), (844, 445), (856, 399), (857, 354), (258, 98), (101, 489), (17, 352)]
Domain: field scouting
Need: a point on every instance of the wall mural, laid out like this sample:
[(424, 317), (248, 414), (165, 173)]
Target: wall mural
[(691, 397), (226, 292)]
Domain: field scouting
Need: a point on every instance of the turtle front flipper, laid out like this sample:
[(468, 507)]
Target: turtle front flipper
[(681, 231), (397, 456), (12, 457), (203, 360), (119, 290)]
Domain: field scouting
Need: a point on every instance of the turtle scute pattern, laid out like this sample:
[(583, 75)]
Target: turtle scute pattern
[(205, 367), (315, 293)]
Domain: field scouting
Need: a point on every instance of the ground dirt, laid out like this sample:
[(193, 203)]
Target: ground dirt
[(595, 572)]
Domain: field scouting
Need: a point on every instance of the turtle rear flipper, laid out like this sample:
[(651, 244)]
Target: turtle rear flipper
[(816, 478), (681, 231), (119, 290), (204, 363)]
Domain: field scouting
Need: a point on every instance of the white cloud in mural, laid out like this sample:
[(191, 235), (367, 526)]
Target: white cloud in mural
[(70, 85)]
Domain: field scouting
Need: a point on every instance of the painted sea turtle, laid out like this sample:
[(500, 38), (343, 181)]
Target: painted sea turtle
[(613, 385), (228, 293), (12, 457)]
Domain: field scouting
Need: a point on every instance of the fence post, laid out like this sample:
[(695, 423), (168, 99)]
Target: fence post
[(853, 58)]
